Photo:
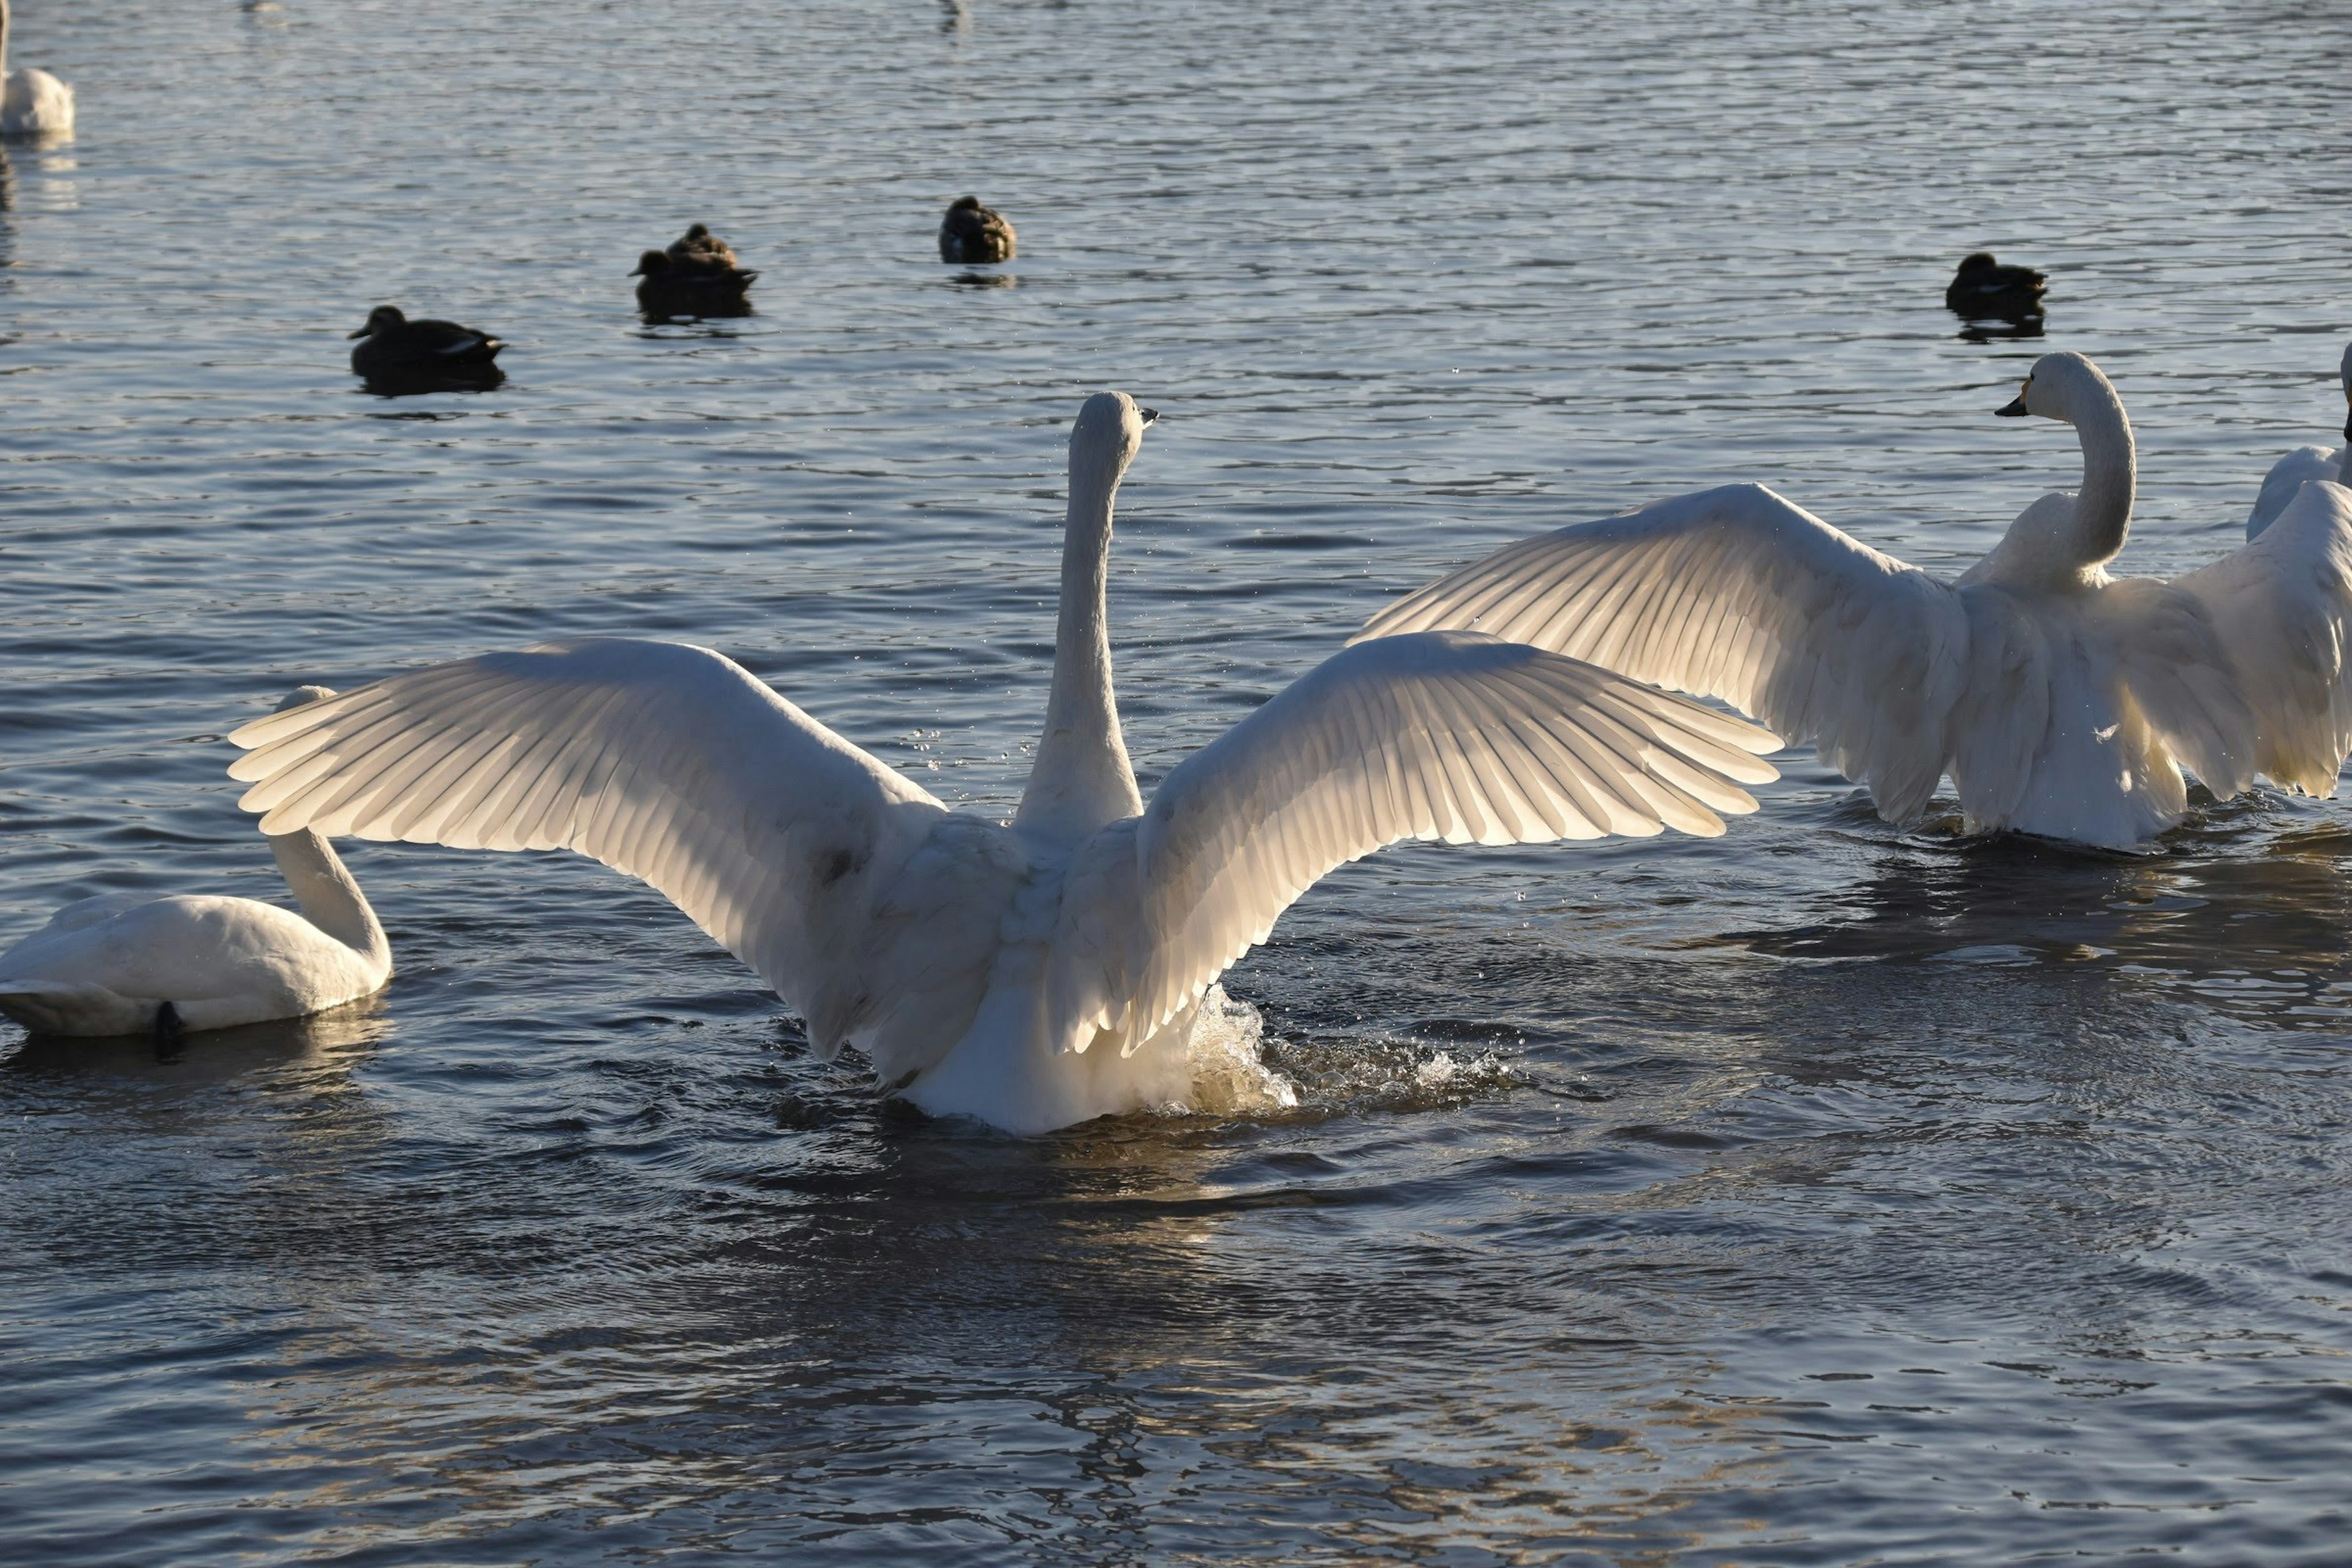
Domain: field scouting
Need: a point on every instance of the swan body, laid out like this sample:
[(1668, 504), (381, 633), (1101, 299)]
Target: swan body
[(1034, 973), (2304, 464), (2061, 701), (32, 102), (697, 276), (1983, 286), (110, 965), (972, 233), (394, 349)]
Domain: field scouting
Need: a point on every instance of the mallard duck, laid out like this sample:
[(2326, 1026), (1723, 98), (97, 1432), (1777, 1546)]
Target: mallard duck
[(1984, 286), (395, 349), (974, 233), (696, 276)]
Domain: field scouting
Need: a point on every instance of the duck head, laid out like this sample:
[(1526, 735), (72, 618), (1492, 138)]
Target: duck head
[(653, 263), (383, 319)]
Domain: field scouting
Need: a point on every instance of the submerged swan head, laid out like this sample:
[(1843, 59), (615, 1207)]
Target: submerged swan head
[(302, 696), (383, 319)]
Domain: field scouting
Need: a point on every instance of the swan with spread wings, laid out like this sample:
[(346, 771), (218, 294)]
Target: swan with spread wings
[(1033, 974), (2060, 700)]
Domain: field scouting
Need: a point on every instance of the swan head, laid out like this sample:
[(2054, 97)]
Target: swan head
[(2061, 386), (383, 319), (653, 263), (302, 696), (1108, 432)]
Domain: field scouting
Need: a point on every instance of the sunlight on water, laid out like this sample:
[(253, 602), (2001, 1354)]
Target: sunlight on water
[(1828, 1193)]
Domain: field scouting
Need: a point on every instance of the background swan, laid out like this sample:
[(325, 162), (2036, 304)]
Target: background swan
[(2061, 702), (2303, 464), (128, 962), (1032, 975), (32, 102)]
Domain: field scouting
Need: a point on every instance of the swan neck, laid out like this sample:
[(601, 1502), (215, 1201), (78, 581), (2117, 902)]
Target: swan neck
[(1082, 779), (329, 895), (2103, 511)]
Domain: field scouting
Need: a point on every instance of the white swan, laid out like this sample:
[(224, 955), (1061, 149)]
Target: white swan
[(2061, 701), (32, 102), (1032, 975), (2304, 464), (127, 962)]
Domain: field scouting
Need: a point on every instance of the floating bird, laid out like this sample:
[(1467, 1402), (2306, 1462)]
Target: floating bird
[(698, 245), (974, 233), (2291, 472), (1984, 286), (32, 102), (129, 963), (1035, 974), (696, 276), (2061, 701), (394, 350)]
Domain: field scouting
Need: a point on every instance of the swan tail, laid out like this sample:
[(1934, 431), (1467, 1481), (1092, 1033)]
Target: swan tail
[(62, 1008)]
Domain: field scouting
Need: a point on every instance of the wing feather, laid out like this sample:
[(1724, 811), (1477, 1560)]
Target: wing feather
[(1737, 593), (667, 761), (2282, 607), (1445, 735)]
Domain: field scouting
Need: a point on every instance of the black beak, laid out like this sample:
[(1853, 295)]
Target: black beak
[(636, 272), (360, 334), (1148, 414), (2013, 409)]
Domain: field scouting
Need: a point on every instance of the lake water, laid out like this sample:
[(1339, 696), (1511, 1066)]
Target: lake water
[(1827, 1193)]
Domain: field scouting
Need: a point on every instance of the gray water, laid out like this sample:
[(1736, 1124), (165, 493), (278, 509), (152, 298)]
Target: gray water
[(1829, 1193)]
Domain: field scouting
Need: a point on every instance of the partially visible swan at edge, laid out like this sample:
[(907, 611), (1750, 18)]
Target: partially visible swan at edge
[(2304, 464), (32, 102), (127, 964), (1035, 974), (2061, 701)]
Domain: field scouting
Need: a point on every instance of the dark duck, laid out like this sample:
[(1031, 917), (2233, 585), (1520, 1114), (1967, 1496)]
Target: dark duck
[(696, 276), (1984, 286), (974, 233), (395, 351)]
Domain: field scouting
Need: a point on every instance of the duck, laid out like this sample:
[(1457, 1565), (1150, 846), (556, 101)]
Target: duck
[(394, 349), (32, 102), (2061, 701), (2291, 472), (1029, 974), (972, 233), (129, 963), (698, 245), (1984, 286), (696, 276)]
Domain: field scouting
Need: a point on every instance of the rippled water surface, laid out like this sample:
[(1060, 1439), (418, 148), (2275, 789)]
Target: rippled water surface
[(1825, 1193)]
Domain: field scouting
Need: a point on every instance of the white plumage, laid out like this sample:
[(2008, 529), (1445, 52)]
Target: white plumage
[(2299, 468), (977, 963), (2061, 702), (32, 102), (109, 965)]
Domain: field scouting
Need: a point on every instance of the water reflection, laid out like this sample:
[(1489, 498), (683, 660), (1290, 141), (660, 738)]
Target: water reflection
[(975, 280)]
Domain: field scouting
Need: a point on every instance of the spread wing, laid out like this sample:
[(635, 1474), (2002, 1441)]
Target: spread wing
[(1737, 593), (670, 763), (2282, 607), (2289, 475), (1444, 735)]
